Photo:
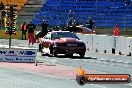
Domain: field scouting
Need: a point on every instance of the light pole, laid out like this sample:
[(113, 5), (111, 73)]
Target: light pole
[(1, 21), (2, 13)]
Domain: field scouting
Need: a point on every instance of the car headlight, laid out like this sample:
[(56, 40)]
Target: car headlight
[(94, 31)]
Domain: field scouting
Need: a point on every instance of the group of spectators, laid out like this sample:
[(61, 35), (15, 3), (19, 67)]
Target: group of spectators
[(30, 29), (72, 26)]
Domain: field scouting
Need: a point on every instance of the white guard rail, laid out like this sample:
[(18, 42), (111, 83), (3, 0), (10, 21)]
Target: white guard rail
[(102, 43)]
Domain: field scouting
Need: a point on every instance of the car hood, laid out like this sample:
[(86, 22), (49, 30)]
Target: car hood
[(67, 40)]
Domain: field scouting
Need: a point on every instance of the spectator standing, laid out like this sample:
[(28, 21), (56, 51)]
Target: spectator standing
[(116, 31), (24, 30), (90, 24), (43, 32), (31, 28), (74, 26), (44, 29)]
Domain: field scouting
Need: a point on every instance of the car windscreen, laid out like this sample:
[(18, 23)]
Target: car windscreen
[(58, 35)]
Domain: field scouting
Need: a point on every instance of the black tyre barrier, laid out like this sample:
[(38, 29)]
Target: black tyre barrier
[(119, 53), (129, 54), (104, 51), (113, 51), (96, 50)]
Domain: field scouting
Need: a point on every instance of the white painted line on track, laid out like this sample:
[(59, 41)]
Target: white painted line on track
[(97, 86), (76, 59), (46, 57), (38, 53), (72, 79), (85, 60), (129, 84), (126, 62)]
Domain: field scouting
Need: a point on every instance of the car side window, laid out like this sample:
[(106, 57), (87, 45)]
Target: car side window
[(55, 36)]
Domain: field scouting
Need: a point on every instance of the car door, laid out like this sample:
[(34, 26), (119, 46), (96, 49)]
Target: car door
[(47, 41)]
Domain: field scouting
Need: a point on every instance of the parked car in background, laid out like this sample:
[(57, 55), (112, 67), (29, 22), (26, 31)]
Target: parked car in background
[(63, 42), (81, 29)]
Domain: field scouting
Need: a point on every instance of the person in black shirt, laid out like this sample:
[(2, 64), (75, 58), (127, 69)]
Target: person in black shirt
[(90, 24), (44, 29), (31, 28), (43, 32)]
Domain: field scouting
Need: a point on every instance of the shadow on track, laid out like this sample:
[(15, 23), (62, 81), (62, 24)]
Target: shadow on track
[(72, 57)]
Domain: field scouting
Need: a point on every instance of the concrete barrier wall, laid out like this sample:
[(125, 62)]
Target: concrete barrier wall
[(104, 43)]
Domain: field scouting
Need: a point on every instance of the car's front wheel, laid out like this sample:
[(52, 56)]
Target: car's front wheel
[(82, 55)]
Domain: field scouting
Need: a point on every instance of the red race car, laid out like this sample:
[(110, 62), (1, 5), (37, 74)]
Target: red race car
[(63, 42)]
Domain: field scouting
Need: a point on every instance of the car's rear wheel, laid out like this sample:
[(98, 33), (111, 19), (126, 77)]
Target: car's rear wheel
[(82, 55), (52, 51)]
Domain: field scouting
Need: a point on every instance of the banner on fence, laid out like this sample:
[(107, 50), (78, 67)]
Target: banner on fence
[(17, 55)]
